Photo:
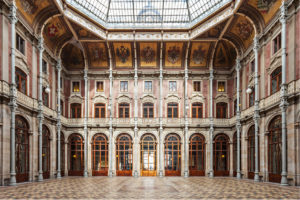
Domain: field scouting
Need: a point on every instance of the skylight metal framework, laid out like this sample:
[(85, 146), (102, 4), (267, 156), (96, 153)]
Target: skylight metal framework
[(147, 13)]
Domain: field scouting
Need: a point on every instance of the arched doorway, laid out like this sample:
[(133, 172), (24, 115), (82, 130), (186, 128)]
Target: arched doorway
[(148, 155), (76, 155), (46, 152), (22, 150), (275, 150), (124, 155), (172, 155), (62, 154), (234, 156), (251, 152), (197, 155), (221, 155), (100, 155)]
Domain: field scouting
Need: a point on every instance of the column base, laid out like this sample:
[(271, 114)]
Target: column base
[(40, 178), (284, 181), (12, 181), (238, 175), (85, 174), (161, 174), (256, 177), (58, 176), (110, 174), (211, 174), (186, 174), (135, 174)]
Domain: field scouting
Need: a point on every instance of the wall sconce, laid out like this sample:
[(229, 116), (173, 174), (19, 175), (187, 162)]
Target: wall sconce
[(47, 89), (249, 90)]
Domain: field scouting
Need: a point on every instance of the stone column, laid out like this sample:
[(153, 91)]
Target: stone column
[(283, 93), (13, 95), (211, 122), (256, 107), (238, 119), (58, 67), (86, 143), (40, 106), (161, 139), (110, 147), (135, 145), (186, 126)]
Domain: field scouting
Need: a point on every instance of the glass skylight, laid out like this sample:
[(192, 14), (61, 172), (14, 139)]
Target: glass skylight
[(147, 13)]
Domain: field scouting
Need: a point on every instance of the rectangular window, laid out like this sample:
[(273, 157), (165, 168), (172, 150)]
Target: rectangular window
[(124, 110), (99, 110), (221, 86), (197, 86), (172, 110), (172, 86), (124, 86), (252, 65), (45, 96), (75, 86), (61, 83), (44, 67), (62, 107), (251, 99), (148, 86), (20, 44), (75, 110), (100, 86), (277, 43)]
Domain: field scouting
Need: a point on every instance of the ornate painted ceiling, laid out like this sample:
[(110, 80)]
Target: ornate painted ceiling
[(215, 40)]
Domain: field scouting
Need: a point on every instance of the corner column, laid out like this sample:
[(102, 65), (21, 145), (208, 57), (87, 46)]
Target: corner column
[(256, 107), (161, 139), (186, 123), (238, 119), (13, 95), (58, 67), (86, 143), (135, 145), (211, 122), (283, 94)]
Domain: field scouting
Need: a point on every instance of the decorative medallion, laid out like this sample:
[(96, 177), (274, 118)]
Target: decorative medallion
[(52, 30), (148, 54), (173, 54), (198, 55), (123, 53), (245, 29), (265, 5), (29, 6)]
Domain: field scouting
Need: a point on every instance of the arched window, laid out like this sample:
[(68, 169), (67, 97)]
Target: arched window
[(22, 150), (172, 155), (124, 155), (148, 155), (148, 110), (276, 80), (221, 155), (100, 110), (76, 153), (62, 154), (172, 110), (123, 110), (221, 110), (275, 150), (100, 155), (251, 152), (46, 152), (21, 81), (75, 110), (197, 110), (235, 154), (197, 155)]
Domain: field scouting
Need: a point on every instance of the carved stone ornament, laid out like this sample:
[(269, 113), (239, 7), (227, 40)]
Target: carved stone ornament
[(173, 54), (123, 53), (148, 54)]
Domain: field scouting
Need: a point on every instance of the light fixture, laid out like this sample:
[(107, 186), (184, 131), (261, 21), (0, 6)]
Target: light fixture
[(249, 90), (47, 89), (109, 107)]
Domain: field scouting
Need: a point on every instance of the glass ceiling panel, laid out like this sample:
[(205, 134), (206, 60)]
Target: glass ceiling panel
[(147, 13)]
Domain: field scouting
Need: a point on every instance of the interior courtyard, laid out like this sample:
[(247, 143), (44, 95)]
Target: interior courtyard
[(150, 99)]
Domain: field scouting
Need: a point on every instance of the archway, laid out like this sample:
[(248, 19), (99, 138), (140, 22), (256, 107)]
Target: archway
[(124, 155), (148, 155), (197, 155), (221, 155), (100, 155), (172, 155), (76, 155), (46, 152)]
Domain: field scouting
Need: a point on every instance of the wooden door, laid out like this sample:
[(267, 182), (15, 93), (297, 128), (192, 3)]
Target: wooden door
[(172, 155), (124, 155), (197, 155), (22, 150), (76, 155), (100, 155), (221, 155), (148, 156), (46, 152)]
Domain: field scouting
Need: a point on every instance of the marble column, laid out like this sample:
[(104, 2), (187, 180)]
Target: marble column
[(283, 93), (256, 108), (186, 125), (13, 94), (86, 143), (238, 118), (211, 122), (161, 139), (135, 145), (58, 67)]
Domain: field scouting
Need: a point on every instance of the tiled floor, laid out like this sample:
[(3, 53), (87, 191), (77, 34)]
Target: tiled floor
[(149, 188)]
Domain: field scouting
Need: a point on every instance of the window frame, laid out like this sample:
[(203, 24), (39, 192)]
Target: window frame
[(16, 45), (96, 87), (176, 85), (76, 117), (121, 86), (45, 64), (278, 78), (225, 86), (177, 104), (102, 106), (148, 108), (226, 110), (19, 76), (197, 110), (145, 91), (200, 87), (44, 93), (72, 90), (124, 110), (277, 40)]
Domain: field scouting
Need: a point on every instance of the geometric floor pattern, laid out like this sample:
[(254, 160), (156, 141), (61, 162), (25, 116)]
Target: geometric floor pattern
[(148, 188)]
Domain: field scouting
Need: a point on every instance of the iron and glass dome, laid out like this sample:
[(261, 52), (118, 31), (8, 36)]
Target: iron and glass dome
[(163, 14)]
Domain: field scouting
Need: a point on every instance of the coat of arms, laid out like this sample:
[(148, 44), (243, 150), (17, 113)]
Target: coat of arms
[(245, 29), (29, 6), (198, 55), (52, 30), (123, 53), (173, 54), (148, 54), (98, 54)]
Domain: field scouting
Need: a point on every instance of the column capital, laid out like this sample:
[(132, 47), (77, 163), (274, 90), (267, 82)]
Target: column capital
[(85, 72), (238, 64), (256, 45), (283, 12), (41, 43), (13, 13), (211, 74), (58, 65)]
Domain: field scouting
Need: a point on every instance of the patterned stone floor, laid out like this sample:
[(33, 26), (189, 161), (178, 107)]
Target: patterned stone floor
[(148, 188)]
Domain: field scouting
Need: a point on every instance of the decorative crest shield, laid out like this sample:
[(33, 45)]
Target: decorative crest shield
[(148, 54), (245, 29), (173, 54), (123, 53), (198, 55)]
